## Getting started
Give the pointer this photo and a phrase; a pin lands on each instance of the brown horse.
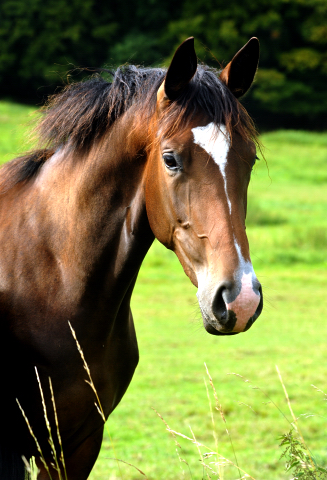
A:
(154, 153)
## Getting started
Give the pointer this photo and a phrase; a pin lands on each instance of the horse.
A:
(152, 153)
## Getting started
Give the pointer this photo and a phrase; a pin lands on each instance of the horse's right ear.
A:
(238, 75)
(180, 72)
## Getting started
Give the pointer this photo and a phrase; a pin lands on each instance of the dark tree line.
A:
(40, 41)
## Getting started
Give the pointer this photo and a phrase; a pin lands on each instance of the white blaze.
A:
(216, 142)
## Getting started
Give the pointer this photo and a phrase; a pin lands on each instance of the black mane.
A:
(83, 112)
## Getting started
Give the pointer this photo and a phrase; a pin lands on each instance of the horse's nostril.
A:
(260, 306)
(219, 307)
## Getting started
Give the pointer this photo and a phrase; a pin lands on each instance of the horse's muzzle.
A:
(234, 307)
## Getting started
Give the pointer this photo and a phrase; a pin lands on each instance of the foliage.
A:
(291, 80)
(299, 460)
(40, 41)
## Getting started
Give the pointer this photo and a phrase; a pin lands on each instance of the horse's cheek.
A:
(157, 212)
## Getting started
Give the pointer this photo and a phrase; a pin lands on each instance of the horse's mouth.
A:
(213, 331)
(208, 324)
(210, 328)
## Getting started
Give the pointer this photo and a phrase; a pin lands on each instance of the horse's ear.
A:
(181, 70)
(238, 75)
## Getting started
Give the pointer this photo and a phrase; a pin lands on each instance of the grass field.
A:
(287, 230)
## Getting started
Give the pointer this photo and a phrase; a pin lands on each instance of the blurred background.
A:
(42, 40)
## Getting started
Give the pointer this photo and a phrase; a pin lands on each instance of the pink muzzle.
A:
(245, 304)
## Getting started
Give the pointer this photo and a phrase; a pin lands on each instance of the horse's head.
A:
(197, 179)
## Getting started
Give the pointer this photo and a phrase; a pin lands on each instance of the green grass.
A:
(287, 220)
(287, 225)
(14, 120)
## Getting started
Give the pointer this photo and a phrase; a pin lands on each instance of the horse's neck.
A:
(99, 202)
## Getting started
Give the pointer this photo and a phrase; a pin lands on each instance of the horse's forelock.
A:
(207, 95)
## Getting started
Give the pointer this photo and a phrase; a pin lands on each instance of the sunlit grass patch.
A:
(260, 216)
(15, 120)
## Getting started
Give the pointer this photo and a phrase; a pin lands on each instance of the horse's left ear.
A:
(180, 72)
(238, 75)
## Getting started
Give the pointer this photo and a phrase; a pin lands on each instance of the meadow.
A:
(287, 231)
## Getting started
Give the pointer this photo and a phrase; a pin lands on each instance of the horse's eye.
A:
(255, 159)
(170, 161)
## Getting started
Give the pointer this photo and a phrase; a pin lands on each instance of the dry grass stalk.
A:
(220, 410)
(296, 425)
(220, 467)
(222, 459)
(98, 405)
(200, 454)
(249, 406)
(131, 465)
(320, 391)
(50, 439)
(62, 459)
(176, 443)
(35, 439)
(218, 405)
(212, 471)
(87, 369)
(254, 387)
